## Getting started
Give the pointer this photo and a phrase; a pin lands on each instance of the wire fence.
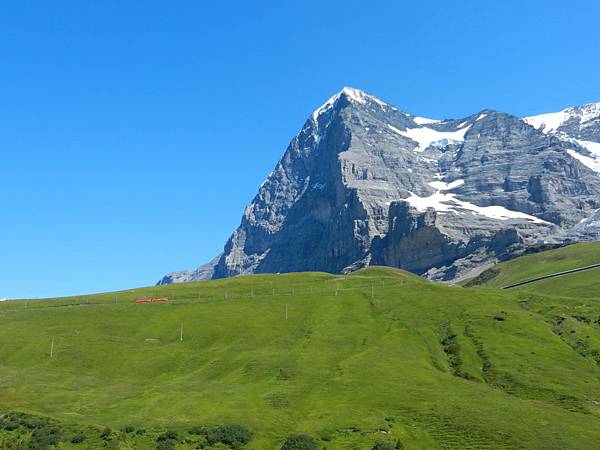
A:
(212, 294)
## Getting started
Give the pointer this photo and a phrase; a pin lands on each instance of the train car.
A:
(151, 300)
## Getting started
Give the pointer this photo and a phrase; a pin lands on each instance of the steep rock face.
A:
(202, 273)
(363, 183)
(418, 242)
(326, 198)
(579, 128)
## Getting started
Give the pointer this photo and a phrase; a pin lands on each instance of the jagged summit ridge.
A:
(578, 125)
(364, 183)
(352, 95)
(584, 116)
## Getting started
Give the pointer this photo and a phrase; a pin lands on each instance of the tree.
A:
(232, 435)
(299, 442)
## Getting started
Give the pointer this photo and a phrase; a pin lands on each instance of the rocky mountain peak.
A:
(364, 183)
(348, 97)
(576, 122)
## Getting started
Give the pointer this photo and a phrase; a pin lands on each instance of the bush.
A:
(198, 430)
(32, 423)
(387, 446)
(168, 444)
(106, 433)
(10, 426)
(44, 438)
(168, 435)
(383, 446)
(232, 435)
(78, 439)
(129, 429)
(299, 442)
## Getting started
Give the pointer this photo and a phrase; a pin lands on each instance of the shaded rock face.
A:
(363, 183)
(420, 242)
(204, 272)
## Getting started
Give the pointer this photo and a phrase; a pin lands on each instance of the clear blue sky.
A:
(132, 134)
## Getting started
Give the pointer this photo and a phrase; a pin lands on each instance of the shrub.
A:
(299, 442)
(78, 439)
(44, 438)
(168, 444)
(232, 435)
(168, 435)
(198, 430)
(106, 433)
(383, 446)
(129, 429)
(10, 426)
(32, 423)
(379, 445)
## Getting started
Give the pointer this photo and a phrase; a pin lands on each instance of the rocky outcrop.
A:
(364, 183)
(202, 273)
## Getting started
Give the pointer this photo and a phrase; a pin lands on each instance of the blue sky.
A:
(132, 134)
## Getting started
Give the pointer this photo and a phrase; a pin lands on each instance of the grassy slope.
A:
(583, 284)
(389, 356)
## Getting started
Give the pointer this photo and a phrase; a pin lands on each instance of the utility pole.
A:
(181, 332)
(52, 348)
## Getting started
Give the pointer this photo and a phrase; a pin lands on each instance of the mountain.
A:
(364, 184)
(204, 272)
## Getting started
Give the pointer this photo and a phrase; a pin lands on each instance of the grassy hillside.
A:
(380, 355)
(583, 284)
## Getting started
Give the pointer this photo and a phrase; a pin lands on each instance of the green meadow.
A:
(376, 357)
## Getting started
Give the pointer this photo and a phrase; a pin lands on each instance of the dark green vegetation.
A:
(19, 431)
(377, 359)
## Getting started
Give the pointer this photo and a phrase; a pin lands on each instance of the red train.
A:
(151, 300)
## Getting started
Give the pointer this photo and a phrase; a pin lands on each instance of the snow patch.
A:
(424, 120)
(589, 112)
(592, 147)
(445, 202)
(481, 116)
(550, 122)
(425, 136)
(441, 186)
(592, 163)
